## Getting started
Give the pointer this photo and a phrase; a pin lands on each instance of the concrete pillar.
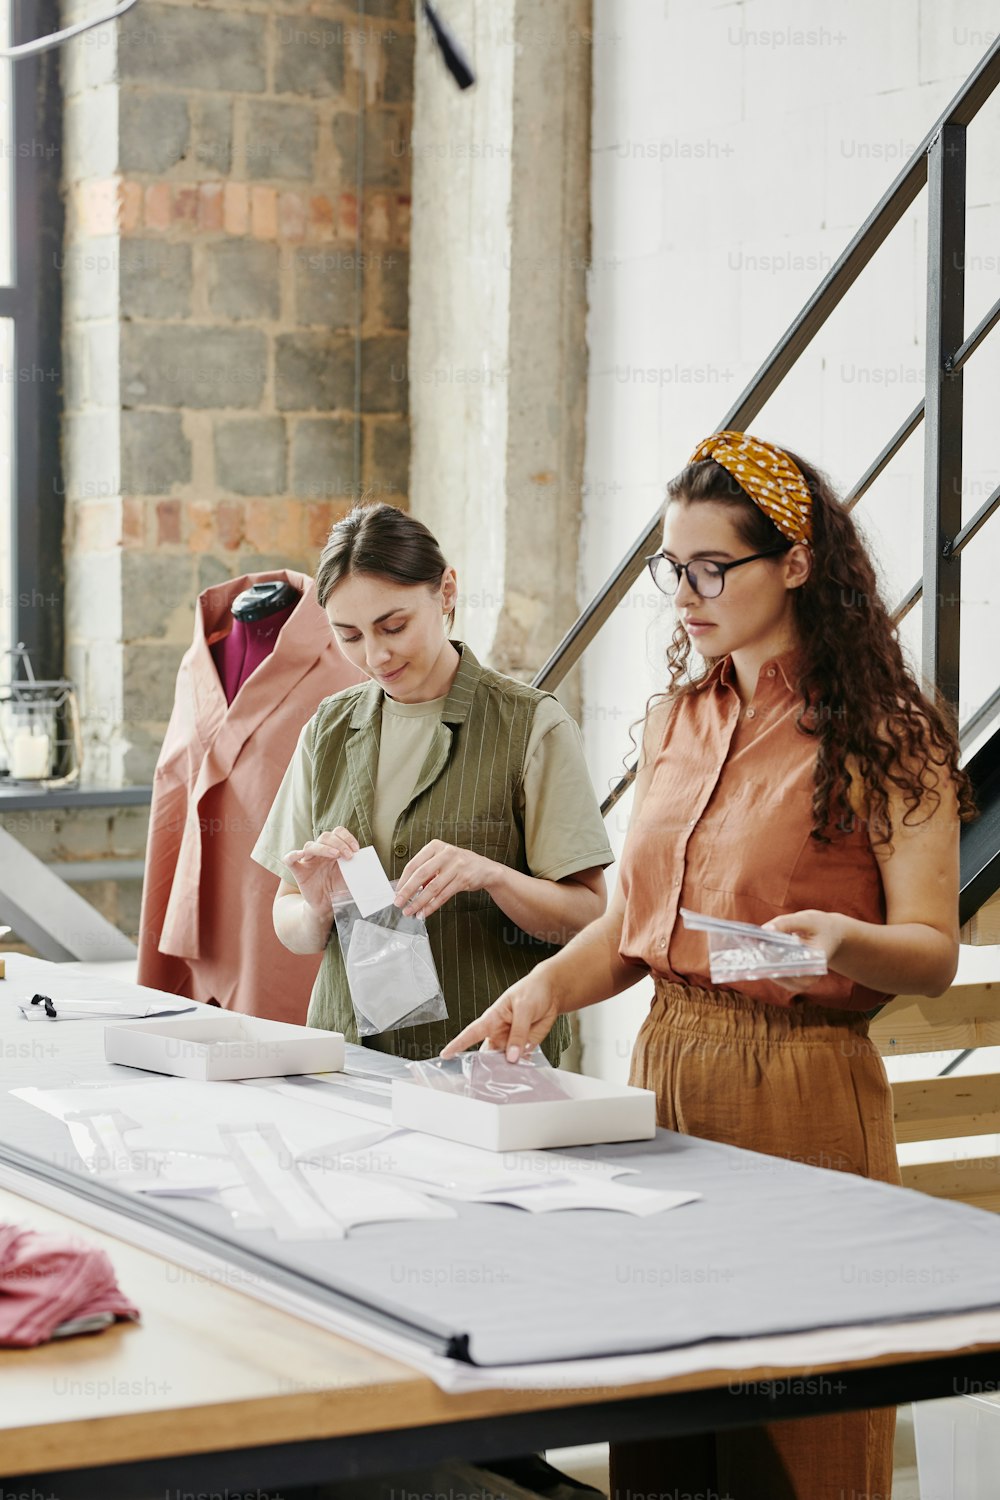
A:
(497, 317)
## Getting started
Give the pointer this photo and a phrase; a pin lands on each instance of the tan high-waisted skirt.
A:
(806, 1084)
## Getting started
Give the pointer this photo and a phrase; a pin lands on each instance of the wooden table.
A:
(215, 1390)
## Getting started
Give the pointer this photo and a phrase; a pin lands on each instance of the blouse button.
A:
(770, 671)
(399, 850)
(751, 713)
(662, 943)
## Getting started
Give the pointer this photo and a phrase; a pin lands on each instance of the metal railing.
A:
(939, 162)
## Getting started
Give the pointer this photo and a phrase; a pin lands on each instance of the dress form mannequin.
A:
(258, 615)
(205, 929)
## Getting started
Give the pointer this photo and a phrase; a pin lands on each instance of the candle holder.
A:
(40, 739)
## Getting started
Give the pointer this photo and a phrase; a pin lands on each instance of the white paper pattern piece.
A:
(557, 1196)
(362, 1200)
(326, 1097)
(554, 1163)
(174, 1136)
(179, 1114)
(457, 1171)
(189, 1174)
(367, 881)
(281, 1193)
(99, 1139)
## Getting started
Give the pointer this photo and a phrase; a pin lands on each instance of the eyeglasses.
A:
(707, 578)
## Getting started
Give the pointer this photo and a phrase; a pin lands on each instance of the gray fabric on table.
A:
(772, 1246)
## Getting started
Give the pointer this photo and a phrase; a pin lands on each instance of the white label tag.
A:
(367, 881)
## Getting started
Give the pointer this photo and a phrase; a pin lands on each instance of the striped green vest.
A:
(467, 793)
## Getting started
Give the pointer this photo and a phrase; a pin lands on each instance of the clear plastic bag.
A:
(739, 950)
(391, 971)
(490, 1077)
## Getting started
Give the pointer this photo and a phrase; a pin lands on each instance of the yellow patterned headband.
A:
(770, 478)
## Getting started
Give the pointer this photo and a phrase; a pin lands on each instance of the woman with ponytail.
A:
(796, 777)
(471, 786)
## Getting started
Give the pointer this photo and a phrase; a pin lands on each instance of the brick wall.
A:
(235, 329)
(234, 343)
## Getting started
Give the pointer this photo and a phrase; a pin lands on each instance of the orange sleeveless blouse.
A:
(725, 829)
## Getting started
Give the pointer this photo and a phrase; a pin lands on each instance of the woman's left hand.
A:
(438, 872)
(822, 930)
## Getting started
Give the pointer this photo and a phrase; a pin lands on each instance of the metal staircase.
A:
(939, 162)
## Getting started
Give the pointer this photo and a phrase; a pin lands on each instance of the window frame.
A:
(33, 302)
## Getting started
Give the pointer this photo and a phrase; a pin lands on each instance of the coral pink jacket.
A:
(205, 927)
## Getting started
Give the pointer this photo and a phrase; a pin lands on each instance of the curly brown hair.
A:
(859, 698)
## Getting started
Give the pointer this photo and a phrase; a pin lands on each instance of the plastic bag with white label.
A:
(390, 968)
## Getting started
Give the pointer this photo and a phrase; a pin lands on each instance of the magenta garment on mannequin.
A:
(206, 929)
(249, 643)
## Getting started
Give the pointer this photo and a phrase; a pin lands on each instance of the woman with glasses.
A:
(795, 777)
(471, 786)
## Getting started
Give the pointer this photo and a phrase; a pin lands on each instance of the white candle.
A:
(29, 756)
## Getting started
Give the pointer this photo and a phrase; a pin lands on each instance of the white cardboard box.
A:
(597, 1114)
(223, 1045)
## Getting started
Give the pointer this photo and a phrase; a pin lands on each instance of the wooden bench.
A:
(962, 1104)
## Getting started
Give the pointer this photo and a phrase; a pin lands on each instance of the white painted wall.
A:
(736, 148)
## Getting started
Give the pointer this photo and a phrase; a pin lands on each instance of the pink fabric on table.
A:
(45, 1280)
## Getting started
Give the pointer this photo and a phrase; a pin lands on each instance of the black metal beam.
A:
(980, 845)
(982, 328)
(618, 791)
(909, 599)
(888, 453)
(578, 637)
(978, 521)
(942, 581)
(738, 1404)
(983, 715)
